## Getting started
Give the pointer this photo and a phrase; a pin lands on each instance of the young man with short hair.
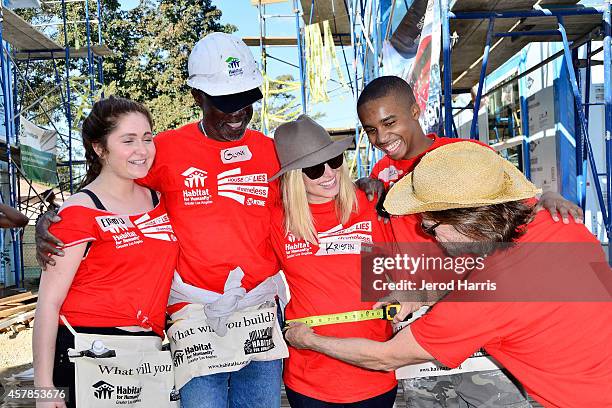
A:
(389, 116)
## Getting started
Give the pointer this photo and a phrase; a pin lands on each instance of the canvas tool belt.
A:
(121, 371)
(253, 334)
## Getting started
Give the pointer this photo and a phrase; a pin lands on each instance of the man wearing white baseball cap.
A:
(226, 339)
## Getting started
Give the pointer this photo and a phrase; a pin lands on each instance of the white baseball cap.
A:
(222, 66)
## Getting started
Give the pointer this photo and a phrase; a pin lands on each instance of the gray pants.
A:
(469, 390)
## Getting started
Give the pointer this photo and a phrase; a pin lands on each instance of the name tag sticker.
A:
(236, 154)
(114, 224)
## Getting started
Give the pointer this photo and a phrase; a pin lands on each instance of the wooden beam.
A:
(16, 298)
(16, 309)
(286, 41)
(258, 2)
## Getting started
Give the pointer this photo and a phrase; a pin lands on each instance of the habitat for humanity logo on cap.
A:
(233, 66)
(221, 64)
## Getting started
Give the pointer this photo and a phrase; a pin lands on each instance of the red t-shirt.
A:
(125, 277)
(219, 199)
(407, 228)
(326, 279)
(560, 352)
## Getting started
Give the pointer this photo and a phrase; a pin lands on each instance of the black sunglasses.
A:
(315, 172)
(431, 230)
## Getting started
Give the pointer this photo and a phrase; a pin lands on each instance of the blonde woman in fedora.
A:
(317, 236)
(547, 316)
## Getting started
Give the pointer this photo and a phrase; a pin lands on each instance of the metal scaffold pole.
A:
(607, 20)
(446, 59)
(8, 129)
(296, 9)
(67, 102)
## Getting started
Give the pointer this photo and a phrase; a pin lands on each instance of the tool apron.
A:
(139, 375)
(253, 334)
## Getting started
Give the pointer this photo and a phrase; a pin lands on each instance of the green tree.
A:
(150, 44)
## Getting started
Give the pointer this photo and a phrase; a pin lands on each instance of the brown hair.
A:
(100, 122)
(495, 223)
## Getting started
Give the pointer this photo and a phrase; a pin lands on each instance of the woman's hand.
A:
(50, 404)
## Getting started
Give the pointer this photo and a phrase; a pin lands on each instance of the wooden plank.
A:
(22, 35)
(16, 309)
(98, 51)
(257, 2)
(333, 10)
(284, 41)
(16, 298)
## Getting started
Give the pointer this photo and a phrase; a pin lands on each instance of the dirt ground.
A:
(15, 353)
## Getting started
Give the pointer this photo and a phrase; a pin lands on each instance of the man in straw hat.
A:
(559, 349)
(214, 174)
(390, 115)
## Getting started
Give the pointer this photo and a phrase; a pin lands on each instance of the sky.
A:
(340, 111)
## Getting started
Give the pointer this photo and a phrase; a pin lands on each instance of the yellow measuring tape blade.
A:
(346, 317)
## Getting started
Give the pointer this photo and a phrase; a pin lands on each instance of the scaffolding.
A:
(22, 44)
(352, 23)
(482, 35)
(526, 21)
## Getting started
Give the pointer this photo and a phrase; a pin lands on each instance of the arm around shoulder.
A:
(11, 218)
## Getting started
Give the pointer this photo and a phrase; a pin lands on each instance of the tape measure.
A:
(388, 312)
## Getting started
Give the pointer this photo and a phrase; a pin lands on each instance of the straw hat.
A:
(458, 175)
(304, 143)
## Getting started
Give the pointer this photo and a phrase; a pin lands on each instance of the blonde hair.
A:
(298, 218)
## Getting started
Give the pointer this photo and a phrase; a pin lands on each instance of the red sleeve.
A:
(77, 226)
(277, 233)
(453, 331)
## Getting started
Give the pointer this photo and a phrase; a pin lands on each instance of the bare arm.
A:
(401, 350)
(11, 218)
(54, 285)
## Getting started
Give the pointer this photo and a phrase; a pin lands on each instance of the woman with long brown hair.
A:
(112, 283)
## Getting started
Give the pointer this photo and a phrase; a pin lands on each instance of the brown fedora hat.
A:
(303, 143)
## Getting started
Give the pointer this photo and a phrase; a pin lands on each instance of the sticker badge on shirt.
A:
(115, 224)
(347, 240)
(390, 174)
(236, 154)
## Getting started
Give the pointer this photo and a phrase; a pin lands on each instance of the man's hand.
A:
(371, 187)
(374, 188)
(557, 205)
(46, 243)
(406, 308)
(299, 335)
